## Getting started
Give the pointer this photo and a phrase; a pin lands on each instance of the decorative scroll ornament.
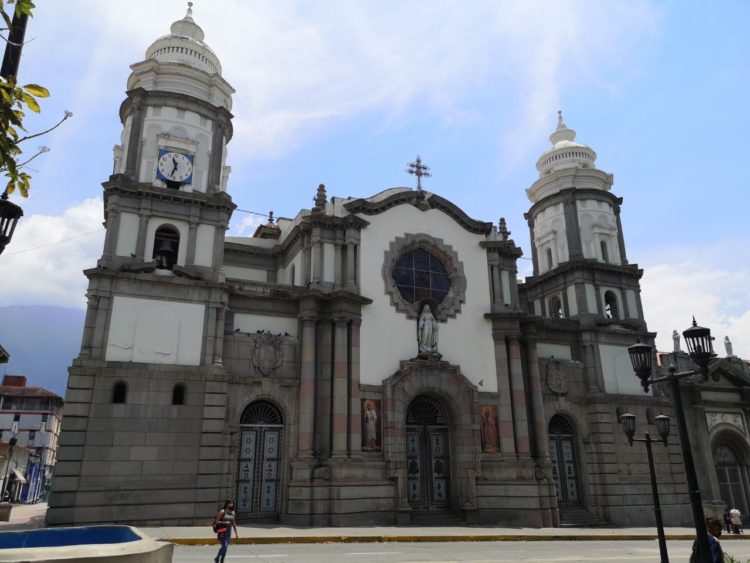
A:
(557, 378)
(267, 354)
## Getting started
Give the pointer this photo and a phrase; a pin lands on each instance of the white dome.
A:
(565, 151)
(185, 45)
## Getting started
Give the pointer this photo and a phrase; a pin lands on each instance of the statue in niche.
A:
(728, 347)
(676, 340)
(427, 332)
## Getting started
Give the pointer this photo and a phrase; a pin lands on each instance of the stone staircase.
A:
(578, 517)
(425, 518)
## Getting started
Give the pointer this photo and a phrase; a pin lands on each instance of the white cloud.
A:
(43, 263)
(298, 69)
(709, 286)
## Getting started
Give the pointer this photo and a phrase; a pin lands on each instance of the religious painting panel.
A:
(489, 431)
(371, 439)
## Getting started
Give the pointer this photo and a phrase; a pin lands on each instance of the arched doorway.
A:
(562, 452)
(259, 471)
(427, 455)
(731, 478)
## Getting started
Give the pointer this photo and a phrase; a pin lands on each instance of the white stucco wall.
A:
(550, 233)
(389, 336)
(572, 303)
(632, 303)
(591, 298)
(618, 371)
(127, 236)
(276, 325)
(155, 331)
(204, 245)
(598, 223)
(559, 351)
(243, 273)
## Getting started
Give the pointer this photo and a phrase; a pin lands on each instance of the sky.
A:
(347, 92)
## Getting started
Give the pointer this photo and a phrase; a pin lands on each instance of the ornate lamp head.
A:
(628, 426)
(641, 357)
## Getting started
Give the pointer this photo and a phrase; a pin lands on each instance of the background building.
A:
(371, 360)
(31, 415)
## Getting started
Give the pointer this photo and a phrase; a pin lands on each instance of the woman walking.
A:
(223, 524)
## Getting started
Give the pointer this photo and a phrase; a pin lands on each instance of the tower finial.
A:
(560, 122)
(189, 10)
(419, 170)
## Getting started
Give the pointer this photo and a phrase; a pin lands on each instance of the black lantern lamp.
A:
(700, 346)
(10, 213)
(641, 357)
(628, 426)
(662, 427)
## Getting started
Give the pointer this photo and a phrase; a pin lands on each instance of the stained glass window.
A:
(419, 275)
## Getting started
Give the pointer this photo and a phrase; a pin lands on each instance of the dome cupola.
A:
(565, 151)
(185, 45)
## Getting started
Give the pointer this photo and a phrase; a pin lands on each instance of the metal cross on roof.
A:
(419, 170)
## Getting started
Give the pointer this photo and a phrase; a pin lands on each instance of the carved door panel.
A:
(564, 470)
(259, 471)
(428, 468)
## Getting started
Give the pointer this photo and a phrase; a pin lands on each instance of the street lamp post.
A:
(700, 348)
(662, 426)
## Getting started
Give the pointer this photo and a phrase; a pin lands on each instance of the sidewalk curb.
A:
(431, 538)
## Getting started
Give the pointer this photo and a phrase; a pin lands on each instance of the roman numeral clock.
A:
(175, 168)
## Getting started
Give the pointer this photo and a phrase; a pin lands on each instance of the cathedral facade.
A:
(372, 361)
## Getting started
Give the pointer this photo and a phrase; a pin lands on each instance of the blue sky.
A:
(347, 92)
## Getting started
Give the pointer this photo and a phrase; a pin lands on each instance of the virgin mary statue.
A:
(427, 332)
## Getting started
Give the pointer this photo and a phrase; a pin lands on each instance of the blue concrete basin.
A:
(58, 537)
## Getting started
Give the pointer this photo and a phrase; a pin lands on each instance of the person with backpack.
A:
(223, 524)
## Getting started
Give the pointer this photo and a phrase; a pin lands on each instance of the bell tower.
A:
(166, 205)
(578, 250)
(150, 370)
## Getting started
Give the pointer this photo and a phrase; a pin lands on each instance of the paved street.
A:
(535, 551)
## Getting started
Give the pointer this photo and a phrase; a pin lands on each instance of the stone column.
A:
(215, 163)
(133, 157)
(219, 336)
(305, 277)
(349, 276)
(355, 405)
(99, 338)
(338, 260)
(541, 452)
(520, 418)
(505, 406)
(340, 387)
(620, 236)
(572, 228)
(317, 257)
(307, 386)
(110, 239)
(89, 324)
(534, 257)
(323, 388)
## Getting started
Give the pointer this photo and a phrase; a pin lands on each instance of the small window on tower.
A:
(120, 392)
(610, 305)
(178, 394)
(605, 254)
(555, 307)
(166, 245)
(549, 259)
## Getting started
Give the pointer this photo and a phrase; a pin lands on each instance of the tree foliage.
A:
(15, 100)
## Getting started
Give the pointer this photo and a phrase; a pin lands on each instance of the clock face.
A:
(175, 167)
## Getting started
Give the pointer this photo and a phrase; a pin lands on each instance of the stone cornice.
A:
(423, 202)
(179, 101)
(574, 194)
(503, 247)
(588, 264)
(119, 184)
